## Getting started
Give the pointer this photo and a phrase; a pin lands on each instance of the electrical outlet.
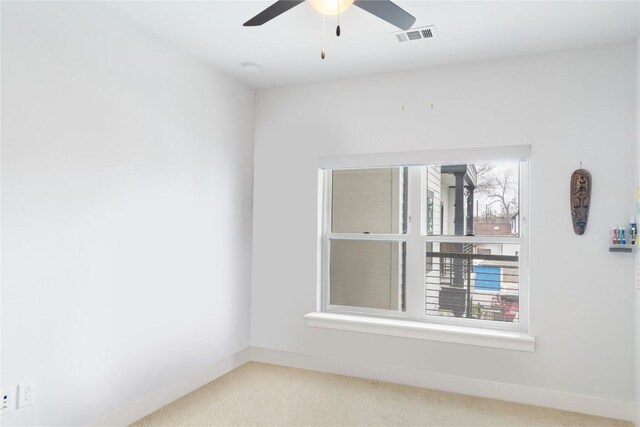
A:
(25, 394)
(8, 401)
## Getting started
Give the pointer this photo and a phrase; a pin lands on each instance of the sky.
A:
(499, 171)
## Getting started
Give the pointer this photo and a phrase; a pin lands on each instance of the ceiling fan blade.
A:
(388, 11)
(278, 8)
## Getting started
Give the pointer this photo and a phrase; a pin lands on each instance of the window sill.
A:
(509, 340)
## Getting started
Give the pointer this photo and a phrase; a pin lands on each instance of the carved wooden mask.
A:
(580, 199)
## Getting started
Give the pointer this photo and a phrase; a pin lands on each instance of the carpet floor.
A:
(258, 394)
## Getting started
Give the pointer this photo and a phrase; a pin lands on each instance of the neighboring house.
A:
(492, 228)
(496, 282)
(367, 201)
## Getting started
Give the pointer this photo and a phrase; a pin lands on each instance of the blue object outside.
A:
(487, 278)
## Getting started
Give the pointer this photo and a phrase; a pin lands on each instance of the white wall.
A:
(126, 212)
(569, 106)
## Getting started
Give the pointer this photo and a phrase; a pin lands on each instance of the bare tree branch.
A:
(498, 188)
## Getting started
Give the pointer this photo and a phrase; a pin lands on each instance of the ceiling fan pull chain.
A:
(322, 52)
(338, 27)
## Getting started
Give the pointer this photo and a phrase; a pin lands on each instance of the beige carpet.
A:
(257, 394)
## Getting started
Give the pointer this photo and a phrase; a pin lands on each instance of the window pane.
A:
(473, 280)
(479, 199)
(369, 274)
(369, 201)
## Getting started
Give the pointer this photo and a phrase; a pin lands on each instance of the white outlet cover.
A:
(25, 394)
(8, 401)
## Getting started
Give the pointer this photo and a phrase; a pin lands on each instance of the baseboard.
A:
(508, 392)
(494, 390)
(162, 397)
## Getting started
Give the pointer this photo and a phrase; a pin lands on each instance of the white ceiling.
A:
(288, 47)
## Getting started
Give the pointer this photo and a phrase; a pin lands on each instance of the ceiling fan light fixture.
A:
(330, 7)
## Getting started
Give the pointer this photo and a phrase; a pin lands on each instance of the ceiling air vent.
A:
(416, 34)
(402, 37)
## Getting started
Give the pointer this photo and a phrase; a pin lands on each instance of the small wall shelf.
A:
(622, 248)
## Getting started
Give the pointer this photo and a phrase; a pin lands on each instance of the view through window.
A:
(469, 239)
(474, 273)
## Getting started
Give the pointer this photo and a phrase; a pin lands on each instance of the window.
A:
(438, 242)
(367, 242)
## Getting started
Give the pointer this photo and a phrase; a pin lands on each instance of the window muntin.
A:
(423, 250)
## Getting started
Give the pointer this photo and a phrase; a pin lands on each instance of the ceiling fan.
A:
(383, 9)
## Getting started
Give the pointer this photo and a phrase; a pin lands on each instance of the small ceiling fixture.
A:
(250, 67)
(383, 9)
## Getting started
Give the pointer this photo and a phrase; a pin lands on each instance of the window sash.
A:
(337, 308)
(374, 237)
(415, 239)
(328, 235)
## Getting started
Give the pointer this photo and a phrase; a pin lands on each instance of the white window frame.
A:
(389, 322)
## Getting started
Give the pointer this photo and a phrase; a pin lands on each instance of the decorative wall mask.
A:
(580, 199)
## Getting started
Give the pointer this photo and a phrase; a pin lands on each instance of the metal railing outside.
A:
(471, 285)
